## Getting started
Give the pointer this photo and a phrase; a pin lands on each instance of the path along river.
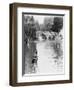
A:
(48, 63)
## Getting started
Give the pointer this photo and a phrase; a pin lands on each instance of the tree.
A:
(29, 27)
(57, 24)
(48, 23)
(37, 26)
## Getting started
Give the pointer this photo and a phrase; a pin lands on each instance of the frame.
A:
(40, 44)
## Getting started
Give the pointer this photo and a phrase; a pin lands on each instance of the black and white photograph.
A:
(42, 44)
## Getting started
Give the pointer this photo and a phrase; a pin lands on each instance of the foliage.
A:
(57, 24)
(29, 27)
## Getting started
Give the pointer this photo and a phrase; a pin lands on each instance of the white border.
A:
(19, 47)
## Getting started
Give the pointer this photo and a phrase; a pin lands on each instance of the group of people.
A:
(46, 35)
